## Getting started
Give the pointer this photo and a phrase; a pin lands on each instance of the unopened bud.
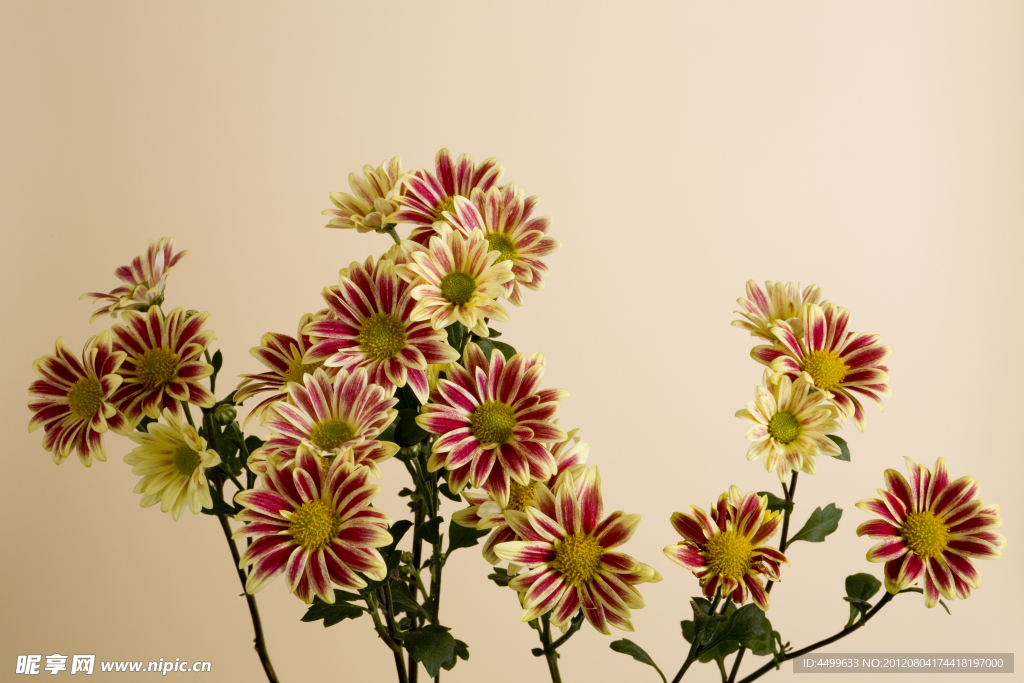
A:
(189, 313)
(224, 414)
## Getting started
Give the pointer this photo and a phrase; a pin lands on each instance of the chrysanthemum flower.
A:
(457, 279)
(73, 400)
(375, 202)
(504, 216)
(726, 549)
(172, 460)
(486, 511)
(776, 301)
(315, 525)
(163, 367)
(493, 421)
(428, 195)
(841, 363)
(569, 551)
(144, 280)
(330, 416)
(790, 421)
(930, 528)
(283, 356)
(372, 328)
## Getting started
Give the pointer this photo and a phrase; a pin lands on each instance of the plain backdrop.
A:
(873, 148)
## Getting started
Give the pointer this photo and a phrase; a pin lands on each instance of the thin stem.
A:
(257, 626)
(394, 235)
(389, 617)
(691, 656)
(573, 628)
(549, 652)
(188, 413)
(821, 643)
(213, 376)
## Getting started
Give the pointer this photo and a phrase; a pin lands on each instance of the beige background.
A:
(874, 148)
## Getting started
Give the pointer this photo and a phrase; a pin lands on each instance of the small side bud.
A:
(224, 414)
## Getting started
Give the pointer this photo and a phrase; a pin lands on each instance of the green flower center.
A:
(381, 336)
(784, 427)
(157, 368)
(330, 434)
(186, 460)
(458, 288)
(826, 368)
(520, 496)
(577, 559)
(315, 524)
(493, 422)
(446, 204)
(925, 534)
(296, 371)
(501, 244)
(85, 398)
(728, 554)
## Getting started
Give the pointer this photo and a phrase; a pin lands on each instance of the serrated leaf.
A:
(332, 614)
(628, 647)
(822, 522)
(500, 576)
(776, 504)
(463, 537)
(403, 602)
(844, 454)
(859, 589)
(408, 433)
(461, 652)
(432, 646)
(429, 530)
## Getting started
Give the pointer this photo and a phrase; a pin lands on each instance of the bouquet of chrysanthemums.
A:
(403, 362)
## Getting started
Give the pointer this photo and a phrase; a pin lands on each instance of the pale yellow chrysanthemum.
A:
(790, 422)
(172, 459)
(775, 301)
(375, 199)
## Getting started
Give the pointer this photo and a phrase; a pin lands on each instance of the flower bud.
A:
(224, 414)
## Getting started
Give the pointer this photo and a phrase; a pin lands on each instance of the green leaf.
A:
(841, 442)
(764, 644)
(500, 576)
(747, 623)
(403, 602)
(461, 651)
(492, 333)
(822, 523)
(433, 647)
(776, 504)
(144, 423)
(705, 624)
(463, 537)
(408, 433)
(488, 346)
(628, 647)
(397, 531)
(447, 493)
(332, 614)
(218, 360)
(428, 531)
(220, 507)
(253, 442)
(859, 589)
(389, 432)
(921, 590)
(456, 334)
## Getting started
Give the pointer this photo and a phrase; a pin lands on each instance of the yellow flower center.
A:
(925, 534)
(826, 368)
(315, 524)
(157, 368)
(296, 371)
(493, 422)
(186, 460)
(784, 427)
(458, 288)
(446, 204)
(330, 434)
(520, 496)
(501, 244)
(381, 336)
(577, 559)
(728, 554)
(85, 398)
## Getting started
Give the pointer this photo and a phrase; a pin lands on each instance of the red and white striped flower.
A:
(330, 416)
(569, 550)
(486, 511)
(790, 423)
(162, 367)
(428, 195)
(374, 202)
(493, 421)
(775, 301)
(841, 363)
(457, 279)
(371, 327)
(73, 399)
(726, 550)
(144, 280)
(505, 216)
(283, 357)
(930, 528)
(314, 525)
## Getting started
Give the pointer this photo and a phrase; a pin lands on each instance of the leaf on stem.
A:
(447, 493)
(844, 455)
(501, 577)
(435, 648)
(487, 346)
(403, 602)
(628, 647)
(332, 614)
(823, 521)
(463, 537)
(859, 589)
(408, 433)
(218, 360)
(776, 504)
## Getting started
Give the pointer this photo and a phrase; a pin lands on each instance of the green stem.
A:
(213, 377)
(694, 652)
(821, 643)
(389, 616)
(577, 622)
(549, 652)
(394, 235)
(188, 413)
(260, 642)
